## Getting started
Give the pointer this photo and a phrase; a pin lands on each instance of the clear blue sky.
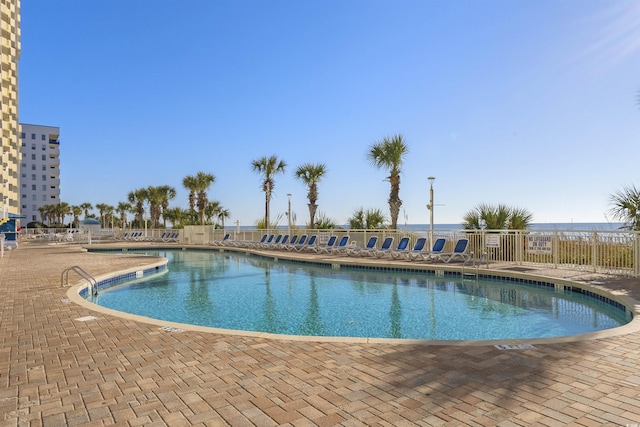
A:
(530, 103)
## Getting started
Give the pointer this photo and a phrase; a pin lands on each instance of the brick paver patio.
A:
(56, 370)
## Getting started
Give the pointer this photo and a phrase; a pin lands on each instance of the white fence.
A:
(611, 252)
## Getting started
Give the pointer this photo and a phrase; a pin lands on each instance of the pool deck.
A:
(65, 364)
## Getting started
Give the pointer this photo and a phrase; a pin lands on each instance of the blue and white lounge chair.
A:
(358, 250)
(327, 247)
(341, 246)
(295, 245)
(309, 245)
(418, 247)
(402, 249)
(438, 247)
(459, 252)
(222, 242)
(386, 247)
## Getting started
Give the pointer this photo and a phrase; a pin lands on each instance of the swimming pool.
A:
(252, 293)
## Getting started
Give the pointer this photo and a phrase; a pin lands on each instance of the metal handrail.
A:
(64, 278)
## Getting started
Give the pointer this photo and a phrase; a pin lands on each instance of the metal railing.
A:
(93, 284)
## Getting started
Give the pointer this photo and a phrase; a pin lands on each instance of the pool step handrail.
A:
(64, 278)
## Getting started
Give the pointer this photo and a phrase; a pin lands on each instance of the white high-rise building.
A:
(39, 170)
(9, 141)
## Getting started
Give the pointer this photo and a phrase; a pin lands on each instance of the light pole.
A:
(289, 214)
(430, 207)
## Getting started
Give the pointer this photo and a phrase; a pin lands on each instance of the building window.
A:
(33, 197)
(23, 135)
(33, 167)
(33, 187)
(33, 136)
(33, 146)
(24, 175)
(44, 167)
(33, 157)
(44, 138)
(24, 196)
(44, 147)
(33, 177)
(44, 157)
(44, 177)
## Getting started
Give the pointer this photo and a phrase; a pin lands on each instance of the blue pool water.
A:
(233, 291)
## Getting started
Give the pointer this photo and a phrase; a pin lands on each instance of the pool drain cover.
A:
(514, 346)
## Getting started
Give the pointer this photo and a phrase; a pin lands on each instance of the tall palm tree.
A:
(204, 181)
(189, 182)
(168, 193)
(102, 208)
(389, 154)
(311, 174)
(198, 186)
(122, 209)
(137, 199)
(268, 167)
(155, 197)
(625, 207)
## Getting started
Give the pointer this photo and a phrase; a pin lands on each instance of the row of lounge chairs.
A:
(139, 236)
(341, 246)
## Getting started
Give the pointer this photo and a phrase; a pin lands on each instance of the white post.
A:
(430, 207)
(289, 215)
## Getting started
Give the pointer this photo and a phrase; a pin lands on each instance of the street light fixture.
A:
(430, 207)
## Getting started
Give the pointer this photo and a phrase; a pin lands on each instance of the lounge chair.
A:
(358, 250)
(295, 245)
(423, 255)
(459, 252)
(418, 247)
(254, 245)
(271, 242)
(281, 243)
(386, 247)
(216, 242)
(309, 245)
(341, 246)
(401, 250)
(327, 247)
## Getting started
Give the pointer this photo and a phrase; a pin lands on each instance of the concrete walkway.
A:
(62, 364)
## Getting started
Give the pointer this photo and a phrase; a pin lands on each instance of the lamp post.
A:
(289, 214)
(430, 207)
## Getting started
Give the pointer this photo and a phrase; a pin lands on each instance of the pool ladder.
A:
(477, 266)
(93, 284)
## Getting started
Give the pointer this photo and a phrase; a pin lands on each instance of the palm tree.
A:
(311, 174)
(367, 219)
(388, 154)
(168, 193)
(76, 210)
(189, 182)
(198, 186)
(137, 199)
(625, 207)
(176, 216)
(268, 167)
(155, 198)
(102, 208)
(500, 217)
(204, 181)
(86, 207)
(122, 209)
